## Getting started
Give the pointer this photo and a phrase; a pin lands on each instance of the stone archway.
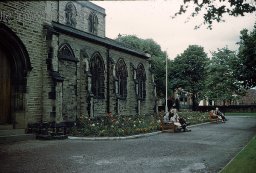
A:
(5, 89)
(14, 66)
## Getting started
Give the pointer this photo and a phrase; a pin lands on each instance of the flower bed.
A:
(127, 125)
(116, 126)
(195, 117)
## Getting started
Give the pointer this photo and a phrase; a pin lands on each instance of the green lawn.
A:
(245, 161)
(240, 114)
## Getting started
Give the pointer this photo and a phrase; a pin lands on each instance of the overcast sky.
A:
(152, 19)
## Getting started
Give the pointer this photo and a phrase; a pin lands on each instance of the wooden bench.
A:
(213, 118)
(166, 127)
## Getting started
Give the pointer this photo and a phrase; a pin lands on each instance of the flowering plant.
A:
(116, 126)
(121, 125)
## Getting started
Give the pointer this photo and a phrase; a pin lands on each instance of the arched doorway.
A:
(5, 89)
(14, 67)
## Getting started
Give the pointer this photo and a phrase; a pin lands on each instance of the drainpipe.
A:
(108, 82)
(58, 10)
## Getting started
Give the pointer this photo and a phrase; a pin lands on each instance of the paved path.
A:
(208, 148)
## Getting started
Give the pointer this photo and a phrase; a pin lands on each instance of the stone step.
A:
(14, 135)
(6, 127)
(16, 138)
(12, 132)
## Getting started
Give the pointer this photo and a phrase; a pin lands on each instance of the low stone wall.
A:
(230, 108)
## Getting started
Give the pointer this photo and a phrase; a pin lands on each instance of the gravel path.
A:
(208, 148)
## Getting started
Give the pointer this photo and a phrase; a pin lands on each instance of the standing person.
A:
(219, 113)
(179, 121)
(177, 104)
(170, 103)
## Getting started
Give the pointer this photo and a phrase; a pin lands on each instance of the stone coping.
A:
(124, 137)
(114, 138)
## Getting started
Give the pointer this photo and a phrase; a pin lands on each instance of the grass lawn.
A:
(240, 114)
(245, 161)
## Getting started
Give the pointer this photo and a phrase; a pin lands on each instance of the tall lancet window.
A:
(121, 74)
(70, 14)
(93, 23)
(98, 79)
(141, 79)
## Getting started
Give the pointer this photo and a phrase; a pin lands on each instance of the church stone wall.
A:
(129, 106)
(71, 100)
(83, 11)
(25, 20)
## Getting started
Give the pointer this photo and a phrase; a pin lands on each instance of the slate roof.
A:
(107, 42)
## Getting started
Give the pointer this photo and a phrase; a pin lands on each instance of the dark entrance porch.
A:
(14, 67)
(5, 89)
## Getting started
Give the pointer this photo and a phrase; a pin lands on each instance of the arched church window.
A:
(66, 52)
(70, 13)
(98, 79)
(121, 74)
(93, 23)
(141, 79)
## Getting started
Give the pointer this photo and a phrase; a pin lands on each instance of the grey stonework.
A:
(60, 89)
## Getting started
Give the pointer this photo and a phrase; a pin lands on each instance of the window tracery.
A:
(93, 23)
(141, 79)
(66, 52)
(70, 14)
(98, 78)
(121, 74)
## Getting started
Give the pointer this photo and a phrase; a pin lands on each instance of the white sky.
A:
(152, 19)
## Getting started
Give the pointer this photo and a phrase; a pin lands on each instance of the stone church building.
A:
(56, 64)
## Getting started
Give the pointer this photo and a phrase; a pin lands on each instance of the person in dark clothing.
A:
(177, 104)
(179, 121)
(170, 103)
(219, 113)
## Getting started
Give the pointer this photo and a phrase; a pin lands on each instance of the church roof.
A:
(110, 43)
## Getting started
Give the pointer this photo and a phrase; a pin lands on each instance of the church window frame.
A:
(121, 75)
(97, 69)
(66, 53)
(70, 14)
(93, 23)
(141, 81)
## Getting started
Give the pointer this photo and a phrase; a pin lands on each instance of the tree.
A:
(246, 62)
(157, 60)
(188, 72)
(213, 10)
(221, 83)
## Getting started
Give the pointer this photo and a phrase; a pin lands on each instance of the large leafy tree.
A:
(157, 60)
(221, 84)
(188, 72)
(213, 10)
(246, 63)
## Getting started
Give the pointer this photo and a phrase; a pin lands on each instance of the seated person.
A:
(214, 115)
(220, 114)
(179, 121)
(166, 118)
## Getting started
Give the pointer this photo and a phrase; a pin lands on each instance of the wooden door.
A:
(5, 89)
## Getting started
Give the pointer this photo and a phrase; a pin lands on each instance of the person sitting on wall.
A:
(221, 114)
(179, 121)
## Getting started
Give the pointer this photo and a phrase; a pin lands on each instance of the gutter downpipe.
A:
(108, 82)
